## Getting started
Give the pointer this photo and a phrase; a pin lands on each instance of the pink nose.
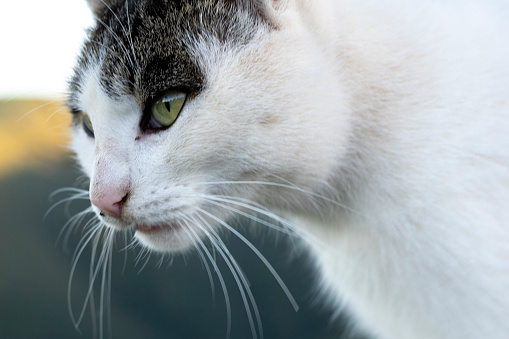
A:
(110, 203)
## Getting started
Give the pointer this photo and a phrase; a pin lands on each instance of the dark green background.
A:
(170, 301)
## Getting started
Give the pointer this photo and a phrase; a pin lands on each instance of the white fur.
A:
(397, 110)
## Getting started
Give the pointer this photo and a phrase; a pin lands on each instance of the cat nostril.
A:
(110, 205)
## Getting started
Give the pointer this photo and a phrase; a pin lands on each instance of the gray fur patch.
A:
(141, 47)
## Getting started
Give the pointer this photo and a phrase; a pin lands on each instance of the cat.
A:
(377, 131)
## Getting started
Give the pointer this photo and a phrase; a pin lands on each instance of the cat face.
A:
(181, 124)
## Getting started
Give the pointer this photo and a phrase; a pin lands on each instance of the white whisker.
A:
(95, 270)
(76, 257)
(130, 36)
(91, 302)
(54, 113)
(118, 40)
(115, 54)
(287, 186)
(106, 285)
(72, 224)
(125, 252)
(260, 256)
(126, 33)
(204, 262)
(79, 194)
(287, 228)
(147, 256)
(212, 260)
(239, 277)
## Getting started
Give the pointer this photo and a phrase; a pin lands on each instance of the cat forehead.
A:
(144, 47)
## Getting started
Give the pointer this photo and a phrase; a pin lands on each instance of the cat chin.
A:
(164, 238)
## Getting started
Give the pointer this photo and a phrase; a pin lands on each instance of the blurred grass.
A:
(33, 133)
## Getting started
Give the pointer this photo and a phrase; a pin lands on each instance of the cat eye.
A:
(165, 109)
(87, 125)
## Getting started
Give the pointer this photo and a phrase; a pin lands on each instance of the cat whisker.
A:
(68, 189)
(125, 252)
(83, 181)
(131, 244)
(54, 113)
(192, 234)
(287, 186)
(78, 195)
(106, 285)
(281, 224)
(144, 253)
(203, 260)
(238, 275)
(259, 255)
(160, 261)
(286, 228)
(103, 262)
(91, 301)
(72, 224)
(92, 226)
(102, 266)
(79, 251)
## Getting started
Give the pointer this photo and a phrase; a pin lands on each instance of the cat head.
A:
(187, 113)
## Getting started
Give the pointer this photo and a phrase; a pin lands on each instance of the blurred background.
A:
(39, 41)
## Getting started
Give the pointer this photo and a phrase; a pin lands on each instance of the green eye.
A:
(166, 109)
(87, 125)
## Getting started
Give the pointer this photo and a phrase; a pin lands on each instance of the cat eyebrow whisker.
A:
(55, 112)
(116, 55)
(37, 108)
(117, 38)
(130, 35)
(126, 33)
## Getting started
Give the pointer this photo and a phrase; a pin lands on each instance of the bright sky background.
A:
(39, 42)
